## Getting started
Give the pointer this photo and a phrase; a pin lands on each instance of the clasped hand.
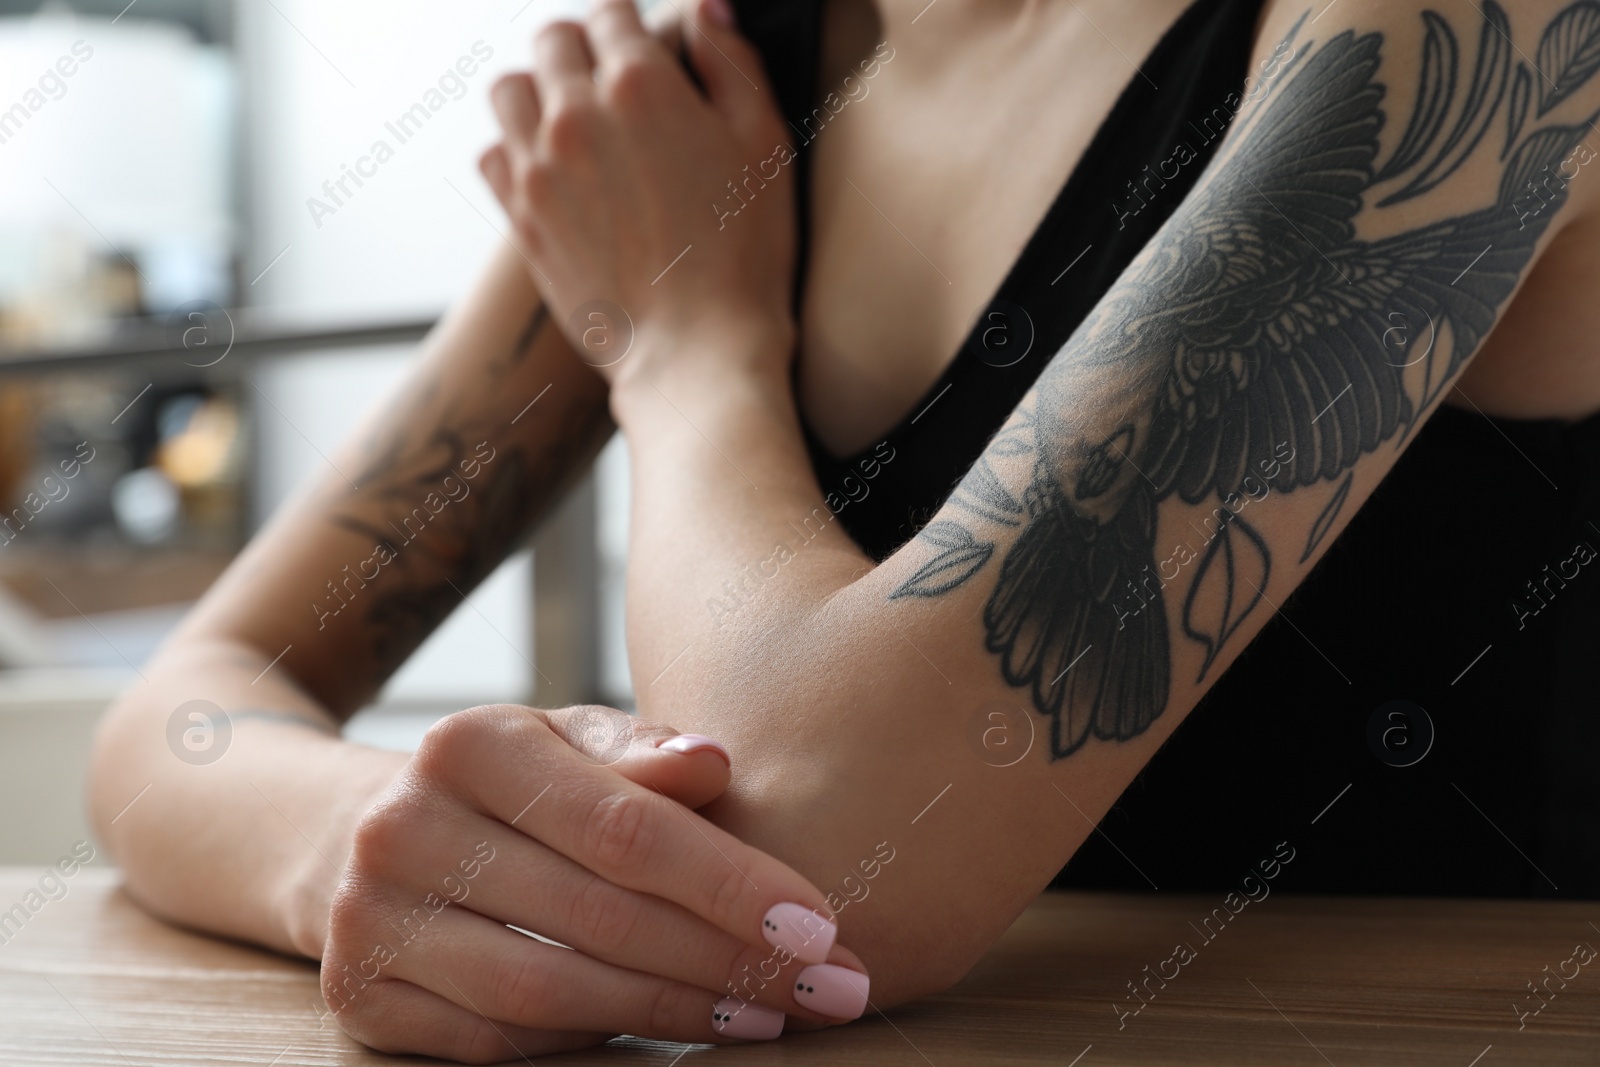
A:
(658, 220)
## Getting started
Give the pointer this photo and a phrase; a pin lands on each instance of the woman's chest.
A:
(931, 167)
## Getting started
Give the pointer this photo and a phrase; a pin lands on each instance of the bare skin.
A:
(292, 822)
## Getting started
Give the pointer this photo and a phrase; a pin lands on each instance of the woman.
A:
(1284, 239)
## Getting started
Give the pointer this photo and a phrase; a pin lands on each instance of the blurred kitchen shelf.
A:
(147, 343)
(62, 581)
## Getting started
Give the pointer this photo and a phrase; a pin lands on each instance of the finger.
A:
(615, 32)
(562, 65)
(516, 105)
(478, 964)
(399, 1017)
(496, 170)
(644, 933)
(730, 69)
(690, 768)
(664, 22)
(505, 759)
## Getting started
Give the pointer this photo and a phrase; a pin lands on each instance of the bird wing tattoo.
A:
(1256, 345)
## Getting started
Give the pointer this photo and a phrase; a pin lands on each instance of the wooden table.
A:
(90, 980)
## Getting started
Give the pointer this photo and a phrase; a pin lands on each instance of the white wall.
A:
(46, 720)
(321, 82)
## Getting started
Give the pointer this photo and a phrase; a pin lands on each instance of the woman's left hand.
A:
(659, 221)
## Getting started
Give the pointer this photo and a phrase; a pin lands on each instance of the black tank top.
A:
(1453, 620)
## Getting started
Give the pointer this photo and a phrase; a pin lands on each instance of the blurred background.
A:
(192, 315)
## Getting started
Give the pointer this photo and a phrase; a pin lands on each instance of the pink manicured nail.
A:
(687, 743)
(835, 991)
(718, 11)
(740, 1018)
(800, 931)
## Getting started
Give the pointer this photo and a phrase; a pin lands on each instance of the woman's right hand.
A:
(577, 825)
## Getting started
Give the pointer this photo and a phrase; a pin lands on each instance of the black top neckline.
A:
(1039, 246)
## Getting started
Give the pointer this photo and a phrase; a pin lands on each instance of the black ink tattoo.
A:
(960, 557)
(1325, 520)
(1248, 341)
(1569, 53)
(493, 501)
(530, 333)
(1517, 109)
(451, 554)
(1438, 88)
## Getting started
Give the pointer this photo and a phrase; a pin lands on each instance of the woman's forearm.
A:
(227, 797)
(725, 506)
(496, 420)
(746, 622)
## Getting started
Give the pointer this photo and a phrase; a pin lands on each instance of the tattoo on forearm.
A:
(530, 333)
(1255, 339)
(445, 499)
(443, 519)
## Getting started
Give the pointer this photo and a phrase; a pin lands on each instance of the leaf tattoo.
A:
(1569, 53)
(960, 557)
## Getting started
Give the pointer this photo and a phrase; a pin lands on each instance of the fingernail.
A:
(800, 931)
(718, 11)
(687, 743)
(835, 991)
(740, 1018)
